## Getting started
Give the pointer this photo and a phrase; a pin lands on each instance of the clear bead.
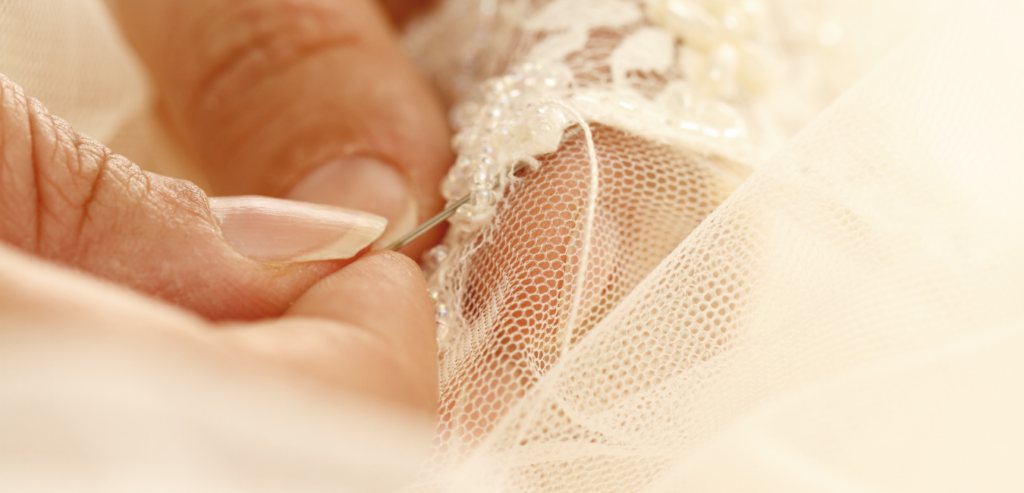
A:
(483, 198)
(470, 218)
(441, 312)
(552, 116)
(453, 189)
(484, 179)
(435, 257)
(442, 332)
(434, 294)
(465, 218)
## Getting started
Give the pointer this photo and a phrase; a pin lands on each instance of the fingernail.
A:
(364, 184)
(279, 230)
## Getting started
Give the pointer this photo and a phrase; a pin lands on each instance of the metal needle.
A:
(438, 219)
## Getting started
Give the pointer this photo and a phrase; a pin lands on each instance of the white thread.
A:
(588, 226)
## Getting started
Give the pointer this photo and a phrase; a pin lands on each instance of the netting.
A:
(592, 338)
(680, 292)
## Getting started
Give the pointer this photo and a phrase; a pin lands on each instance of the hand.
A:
(311, 100)
(305, 99)
(367, 328)
(68, 199)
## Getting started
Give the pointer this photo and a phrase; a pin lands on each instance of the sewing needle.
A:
(439, 218)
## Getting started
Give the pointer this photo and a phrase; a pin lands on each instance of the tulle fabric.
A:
(846, 318)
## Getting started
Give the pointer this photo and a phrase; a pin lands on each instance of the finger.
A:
(309, 99)
(390, 358)
(368, 328)
(66, 198)
(402, 11)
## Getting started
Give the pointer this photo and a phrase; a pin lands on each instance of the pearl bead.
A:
(692, 23)
(722, 69)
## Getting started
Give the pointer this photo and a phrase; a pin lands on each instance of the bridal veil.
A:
(754, 245)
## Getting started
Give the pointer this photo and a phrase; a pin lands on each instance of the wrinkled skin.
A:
(260, 92)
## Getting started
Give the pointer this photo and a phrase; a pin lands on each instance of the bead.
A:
(435, 257)
(692, 23)
(484, 179)
(722, 69)
(464, 218)
(552, 117)
(441, 312)
(471, 218)
(725, 32)
(504, 116)
(483, 198)
(442, 332)
(453, 189)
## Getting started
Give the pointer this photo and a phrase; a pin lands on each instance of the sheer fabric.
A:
(726, 268)
(598, 341)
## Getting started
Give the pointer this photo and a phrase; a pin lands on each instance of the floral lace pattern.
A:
(524, 72)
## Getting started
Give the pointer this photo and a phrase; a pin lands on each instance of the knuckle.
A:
(65, 196)
(82, 190)
(255, 41)
(17, 180)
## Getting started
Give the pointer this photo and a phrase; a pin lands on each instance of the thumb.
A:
(66, 198)
(369, 328)
(309, 99)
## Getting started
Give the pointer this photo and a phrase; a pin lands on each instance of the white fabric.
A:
(889, 227)
(87, 412)
(849, 319)
(70, 56)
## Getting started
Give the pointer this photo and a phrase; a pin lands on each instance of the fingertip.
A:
(365, 184)
(386, 294)
(265, 228)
